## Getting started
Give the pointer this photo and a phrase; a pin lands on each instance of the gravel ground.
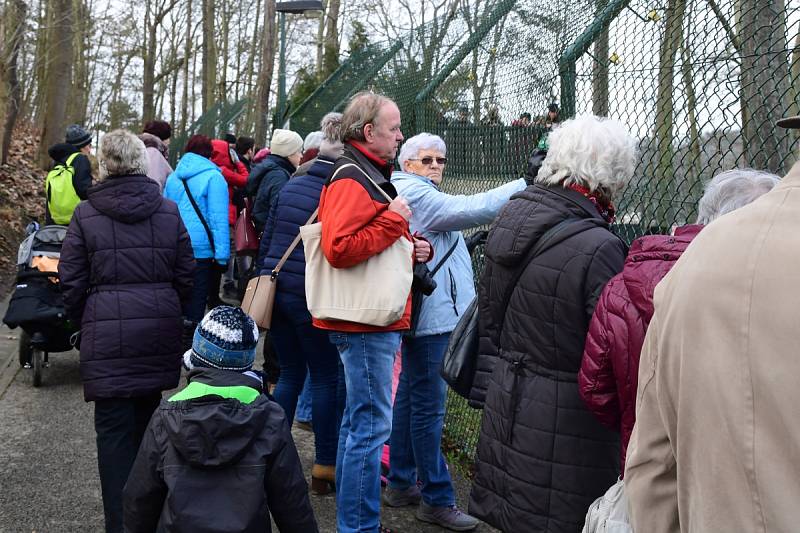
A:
(48, 461)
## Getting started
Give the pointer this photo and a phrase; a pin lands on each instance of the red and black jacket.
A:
(357, 223)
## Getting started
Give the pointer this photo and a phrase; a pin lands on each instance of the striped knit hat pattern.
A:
(225, 339)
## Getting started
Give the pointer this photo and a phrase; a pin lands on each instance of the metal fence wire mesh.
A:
(699, 83)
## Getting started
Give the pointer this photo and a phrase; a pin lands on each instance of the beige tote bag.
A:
(374, 292)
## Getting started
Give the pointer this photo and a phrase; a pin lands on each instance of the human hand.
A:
(400, 206)
(422, 250)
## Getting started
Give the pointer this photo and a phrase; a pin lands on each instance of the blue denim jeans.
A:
(416, 442)
(305, 350)
(303, 411)
(367, 422)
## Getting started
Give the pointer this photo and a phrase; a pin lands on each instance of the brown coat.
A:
(716, 446)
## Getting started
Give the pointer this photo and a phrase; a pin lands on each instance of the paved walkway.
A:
(48, 461)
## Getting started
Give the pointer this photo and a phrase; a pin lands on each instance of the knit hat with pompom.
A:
(225, 339)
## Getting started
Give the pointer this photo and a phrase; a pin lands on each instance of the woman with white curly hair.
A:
(126, 268)
(542, 456)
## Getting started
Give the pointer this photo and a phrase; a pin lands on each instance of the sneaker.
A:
(401, 498)
(451, 518)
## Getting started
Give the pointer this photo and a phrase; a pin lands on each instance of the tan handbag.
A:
(374, 292)
(259, 296)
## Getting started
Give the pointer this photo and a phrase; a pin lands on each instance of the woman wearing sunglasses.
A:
(420, 401)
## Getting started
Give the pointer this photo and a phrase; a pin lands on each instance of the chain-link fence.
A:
(700, 84)
(213, 123)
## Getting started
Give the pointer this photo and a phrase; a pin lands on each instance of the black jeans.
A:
(195, 310)
(120, 424)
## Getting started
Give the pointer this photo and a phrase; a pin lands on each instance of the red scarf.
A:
(603, 205)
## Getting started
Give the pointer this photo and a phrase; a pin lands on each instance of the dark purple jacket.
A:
(610, 368)
(126, 266)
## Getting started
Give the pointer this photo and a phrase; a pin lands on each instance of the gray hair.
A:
(121, 153)
(331, 126)
(422, 141)
(598, 153)
(313, 140)
(363, 109)
(731, 190)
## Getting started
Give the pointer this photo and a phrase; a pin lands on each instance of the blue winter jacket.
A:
(265, 183)
(440, 217)
(210, 191)
(297, 201)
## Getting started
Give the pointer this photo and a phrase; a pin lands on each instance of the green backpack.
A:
(61, 196)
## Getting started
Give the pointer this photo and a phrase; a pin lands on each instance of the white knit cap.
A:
(285, 143)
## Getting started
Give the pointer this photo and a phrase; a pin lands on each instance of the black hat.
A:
(77, 136)
(790, 123)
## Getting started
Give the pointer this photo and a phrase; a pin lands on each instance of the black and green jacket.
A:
(218, 456)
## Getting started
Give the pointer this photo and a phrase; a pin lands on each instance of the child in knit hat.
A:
(218, 455)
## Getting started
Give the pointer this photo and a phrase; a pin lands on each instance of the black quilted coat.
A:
(542, 456)
(126, 266)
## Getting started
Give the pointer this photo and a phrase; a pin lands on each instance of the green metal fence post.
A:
(500, 10)
(566, 63)
(322, 86)
(371, 73)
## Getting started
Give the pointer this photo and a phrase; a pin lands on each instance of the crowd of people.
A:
(664, 368)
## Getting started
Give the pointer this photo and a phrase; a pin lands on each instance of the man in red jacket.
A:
(358, 223)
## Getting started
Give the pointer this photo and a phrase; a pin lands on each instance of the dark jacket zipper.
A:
(453, 290)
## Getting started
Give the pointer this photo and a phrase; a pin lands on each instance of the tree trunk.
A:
(330, 59)
(222, 90)
(764, 83)
(600, 70)
(694, 173)
(209, 56)
(320, 42)
(59, 74)
(149, 69)
(664, 120)
(79, 89)
(265, 73)
(187, 50)
(14, 22)
(42, 49)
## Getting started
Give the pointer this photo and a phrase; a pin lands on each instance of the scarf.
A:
(603, 205)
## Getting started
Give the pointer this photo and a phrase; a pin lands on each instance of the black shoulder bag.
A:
(461, 357)
(424, 285)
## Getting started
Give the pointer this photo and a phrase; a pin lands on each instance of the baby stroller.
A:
(37, 305)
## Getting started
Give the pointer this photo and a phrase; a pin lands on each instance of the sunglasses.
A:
(427, 161)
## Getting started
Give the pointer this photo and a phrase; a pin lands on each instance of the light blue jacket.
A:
(210, 191)
(440, 217)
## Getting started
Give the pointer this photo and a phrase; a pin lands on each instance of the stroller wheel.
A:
(25, 350)
(38, 363)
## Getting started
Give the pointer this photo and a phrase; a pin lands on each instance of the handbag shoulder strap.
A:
(200, 216)
(445, 258)
(558, 233)
(292, 246)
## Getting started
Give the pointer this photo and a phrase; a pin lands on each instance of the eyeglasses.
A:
(427, 161)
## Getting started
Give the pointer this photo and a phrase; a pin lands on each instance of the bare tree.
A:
(600, 70)
(155, 12)
(330, 58)
(209, 56)
(59, 74)
(764, 82)
(265, 73)
(12, 27)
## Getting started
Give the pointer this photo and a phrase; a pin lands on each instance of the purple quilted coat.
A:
(126, 267)
(610, 367)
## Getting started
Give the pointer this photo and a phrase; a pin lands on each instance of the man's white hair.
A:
(731, 190)
(422, 141)
(313, 140)
(597, 153)
(121, 153)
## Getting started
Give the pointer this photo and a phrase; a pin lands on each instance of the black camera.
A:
(423, 280)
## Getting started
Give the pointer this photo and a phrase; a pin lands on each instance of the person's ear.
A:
(369, 130)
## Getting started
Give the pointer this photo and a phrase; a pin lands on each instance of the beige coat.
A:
(716, 446)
